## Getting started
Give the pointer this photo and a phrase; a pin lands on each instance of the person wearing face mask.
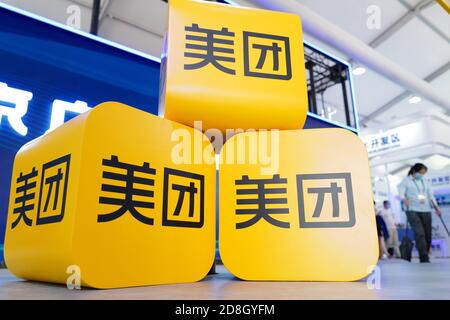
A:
(417, 196)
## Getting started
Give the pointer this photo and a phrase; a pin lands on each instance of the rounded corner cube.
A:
(220, 60)
(105, 194)
(302, 211)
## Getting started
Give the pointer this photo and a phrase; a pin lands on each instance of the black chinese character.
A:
(261, 212)
(384, 140)
(374, 143)
(192, 190)
(22, 199)
(54, 181)
(395, 138)
(129, 190)
(274, 48)
(318, 218)
(211, 54)
(186, 187)
(278, 45)
(334, 191)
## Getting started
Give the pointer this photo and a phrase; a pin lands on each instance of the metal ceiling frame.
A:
(391, 103)
(417, 12)
(413, 12)
(326, 31)
(95, 13)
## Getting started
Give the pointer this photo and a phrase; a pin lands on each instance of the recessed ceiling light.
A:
(415, 99)
(359, 71)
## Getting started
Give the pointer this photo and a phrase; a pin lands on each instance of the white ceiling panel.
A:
(56, 10)
(132, 37)
(86, 3)
(404, 108)
(439, 17)
(442, 83)
(372, 91)
(413, 3)
(150, 15)
(352, 16)
(416, 48)
(325, 47)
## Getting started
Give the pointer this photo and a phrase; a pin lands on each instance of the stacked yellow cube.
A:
(117, 197)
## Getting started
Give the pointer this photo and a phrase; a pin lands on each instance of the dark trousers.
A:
(421, 224)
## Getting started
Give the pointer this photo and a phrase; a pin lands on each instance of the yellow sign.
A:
(233, 67)
(311, 218)
(104, 200)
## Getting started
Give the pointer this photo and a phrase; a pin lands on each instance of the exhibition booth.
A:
(395, 147)
(192, 149)
(73, 71)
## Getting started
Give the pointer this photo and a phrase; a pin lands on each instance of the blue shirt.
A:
(418, 192)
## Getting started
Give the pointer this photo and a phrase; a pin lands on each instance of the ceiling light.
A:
(415, 99)
(359, 71)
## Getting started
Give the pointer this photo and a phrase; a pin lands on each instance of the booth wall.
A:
(53, 63)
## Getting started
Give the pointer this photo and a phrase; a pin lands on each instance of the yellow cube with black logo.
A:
(113, 198)
(297, 205)
(233, 67)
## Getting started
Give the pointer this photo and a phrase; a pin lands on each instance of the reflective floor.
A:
(398, 280)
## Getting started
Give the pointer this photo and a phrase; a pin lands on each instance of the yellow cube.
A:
(107, 200)
(233, 67)
(297, 205)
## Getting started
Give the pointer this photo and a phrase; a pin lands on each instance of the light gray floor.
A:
(399, 280)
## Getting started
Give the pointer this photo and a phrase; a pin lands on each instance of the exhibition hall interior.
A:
(338, 110)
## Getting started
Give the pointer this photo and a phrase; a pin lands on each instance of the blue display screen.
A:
(44, 68)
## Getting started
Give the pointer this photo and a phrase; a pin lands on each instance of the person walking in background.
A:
(383, 233)
(415, 192)
(392, 241)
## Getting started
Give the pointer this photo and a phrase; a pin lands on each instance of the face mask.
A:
(418, 176)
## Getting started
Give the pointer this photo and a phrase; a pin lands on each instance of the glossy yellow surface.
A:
(298, 245)
(124, 251)
(267, 91)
